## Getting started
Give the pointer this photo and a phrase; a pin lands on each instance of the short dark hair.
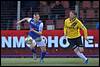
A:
(36, 13)
(73, 12)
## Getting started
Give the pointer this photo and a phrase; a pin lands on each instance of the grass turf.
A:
(48, 62)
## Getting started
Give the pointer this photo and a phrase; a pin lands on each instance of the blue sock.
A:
(42, 55)
(33, 50)
(34, 53)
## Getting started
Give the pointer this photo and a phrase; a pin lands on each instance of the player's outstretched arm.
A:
(22, 20)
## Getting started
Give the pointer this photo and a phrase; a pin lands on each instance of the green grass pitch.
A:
(48, 62)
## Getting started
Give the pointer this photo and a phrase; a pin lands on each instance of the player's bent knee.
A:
(33, 45)
(75, 50)
(43, 49)
(81, 49)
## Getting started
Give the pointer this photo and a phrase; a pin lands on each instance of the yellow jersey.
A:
(72, 28)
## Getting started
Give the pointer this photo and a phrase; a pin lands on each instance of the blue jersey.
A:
(37, 26)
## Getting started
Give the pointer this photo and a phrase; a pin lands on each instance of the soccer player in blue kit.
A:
(34, 36)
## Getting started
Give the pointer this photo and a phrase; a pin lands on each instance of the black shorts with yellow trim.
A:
(75, 42)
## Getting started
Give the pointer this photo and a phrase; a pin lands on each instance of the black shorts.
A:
(75, 42)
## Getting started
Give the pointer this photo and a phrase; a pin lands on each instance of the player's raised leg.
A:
(31, 45)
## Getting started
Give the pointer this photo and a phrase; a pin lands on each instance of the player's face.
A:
(71, 15)
(36, 17)
(57, 2)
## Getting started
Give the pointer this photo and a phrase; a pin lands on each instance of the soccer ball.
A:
(28, 40)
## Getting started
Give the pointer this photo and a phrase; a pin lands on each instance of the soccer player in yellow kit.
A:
(72, 27)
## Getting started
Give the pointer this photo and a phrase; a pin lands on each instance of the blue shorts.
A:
(33, 35)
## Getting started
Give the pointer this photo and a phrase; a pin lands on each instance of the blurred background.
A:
(53, 13)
